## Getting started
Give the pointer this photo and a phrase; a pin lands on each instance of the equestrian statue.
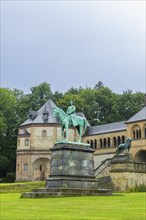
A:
(68, 119)
(125, 146)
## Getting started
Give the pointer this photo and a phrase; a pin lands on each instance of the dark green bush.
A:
(10, 178)
(140, 188)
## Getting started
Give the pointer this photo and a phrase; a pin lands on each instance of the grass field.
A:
(125, 206)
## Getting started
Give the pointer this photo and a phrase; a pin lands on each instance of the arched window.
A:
(88, 142)
(91, 143)
(40, 167)
(119, 140)
(101, 145)
(115, 141)
(25, 167)
(136, 132)
(26, 142)
(95, 143)
(108, 142)
(123, 139)
(18, 167)
(44, 133)
(104, 142)
(145, 133)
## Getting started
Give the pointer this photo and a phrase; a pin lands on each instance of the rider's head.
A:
(71, 102)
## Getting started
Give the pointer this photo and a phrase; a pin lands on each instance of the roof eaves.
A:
(103, 132)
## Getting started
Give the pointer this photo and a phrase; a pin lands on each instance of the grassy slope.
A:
(128, 206)
(20, 187)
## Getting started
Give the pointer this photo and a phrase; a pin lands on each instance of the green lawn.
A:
(126, 206)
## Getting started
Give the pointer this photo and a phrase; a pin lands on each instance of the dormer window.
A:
(32, 115)
(45, 115)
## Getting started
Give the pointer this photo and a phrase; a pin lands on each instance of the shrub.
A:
(10, 178)
(140, 188)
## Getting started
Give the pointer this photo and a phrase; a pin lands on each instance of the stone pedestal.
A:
(72, 173)
(72, 166)
(122, 163)
(127, 174)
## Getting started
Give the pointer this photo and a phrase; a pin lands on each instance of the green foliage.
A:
(40, 94)
(140, 188)
(99, 85)
(56, 96)
(129, 104)
(127, 206)
(10, 178)
(8, 131)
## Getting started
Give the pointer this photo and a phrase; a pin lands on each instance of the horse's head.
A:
(55, 111)
(58, 113)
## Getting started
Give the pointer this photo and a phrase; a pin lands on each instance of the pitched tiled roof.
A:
(106, 128)
(139, 116)
(47, 107)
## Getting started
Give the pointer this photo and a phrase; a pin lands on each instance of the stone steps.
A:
(63, 192)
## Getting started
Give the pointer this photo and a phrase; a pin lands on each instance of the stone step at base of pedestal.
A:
(64, 192)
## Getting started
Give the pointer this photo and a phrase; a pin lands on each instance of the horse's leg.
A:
(62, 133)
(80, 133)
(66, 127)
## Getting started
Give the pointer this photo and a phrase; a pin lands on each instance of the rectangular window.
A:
(25, 167)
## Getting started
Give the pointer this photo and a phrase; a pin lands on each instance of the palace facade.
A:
(37, 135)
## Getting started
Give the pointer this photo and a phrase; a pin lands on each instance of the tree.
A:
(40, 94)
(107, 109)
(99, 85)
(8, 131)
(129, 104)
(22, 105)
(56, 96)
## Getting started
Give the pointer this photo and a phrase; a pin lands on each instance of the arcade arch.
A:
(140, 156)
(41, 168)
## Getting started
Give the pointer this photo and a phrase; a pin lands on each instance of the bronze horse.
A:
(66, 121)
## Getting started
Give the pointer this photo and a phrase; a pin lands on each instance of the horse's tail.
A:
(85, 124)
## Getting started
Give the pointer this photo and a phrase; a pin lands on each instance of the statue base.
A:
(71, 174)
(122, 162)
(122, 157)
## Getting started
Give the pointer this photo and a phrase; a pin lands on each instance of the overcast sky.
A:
(72, 44)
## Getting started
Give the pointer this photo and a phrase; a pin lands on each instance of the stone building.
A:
(35, 138)
(104, 139)
(39, 132)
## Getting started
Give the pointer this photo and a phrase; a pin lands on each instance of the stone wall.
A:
(32, 165)
(127, 174)
(124, 181)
